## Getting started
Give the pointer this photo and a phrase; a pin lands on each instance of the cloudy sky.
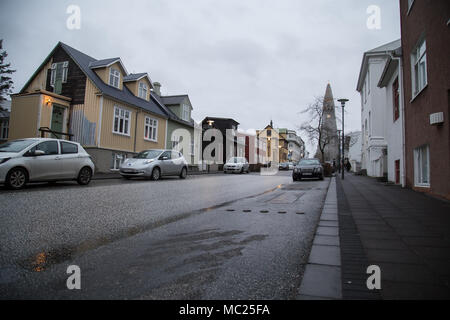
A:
(252, 60)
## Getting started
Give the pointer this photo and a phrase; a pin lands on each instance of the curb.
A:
(322, 277)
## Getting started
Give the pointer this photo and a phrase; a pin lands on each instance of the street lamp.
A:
(339, 154)
(343, 101)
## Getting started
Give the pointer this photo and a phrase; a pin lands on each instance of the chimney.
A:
(157, 88)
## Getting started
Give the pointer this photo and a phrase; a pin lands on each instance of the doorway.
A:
(57, 123)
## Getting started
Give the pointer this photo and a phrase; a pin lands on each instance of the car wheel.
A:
(156, 174)
(17, 178)
(183, 174)
(85, 176)
(321, 178)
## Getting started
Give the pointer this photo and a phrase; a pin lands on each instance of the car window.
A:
(308, 162)
(49, 147)
(148, 154)
(16, 145)
(68, 148)
(166, 154)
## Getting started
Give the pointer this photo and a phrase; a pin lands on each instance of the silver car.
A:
(237, 165)
(154, 164)
(43, 160)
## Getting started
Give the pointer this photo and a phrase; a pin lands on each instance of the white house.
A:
(354, 150)
(380, 85)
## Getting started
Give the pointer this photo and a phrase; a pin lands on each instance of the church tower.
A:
(329, 128)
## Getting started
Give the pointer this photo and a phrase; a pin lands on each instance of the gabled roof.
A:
(173, 100)
(172, 116)
(136, 77)
(393, 47)
(85, 62)
(106, 63)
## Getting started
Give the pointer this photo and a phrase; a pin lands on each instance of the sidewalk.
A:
(405, 233)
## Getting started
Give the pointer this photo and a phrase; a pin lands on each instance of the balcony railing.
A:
(55, 134)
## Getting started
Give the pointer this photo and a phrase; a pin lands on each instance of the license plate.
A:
(307, 174)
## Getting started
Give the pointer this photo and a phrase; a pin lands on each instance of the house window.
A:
(4, 129)
(59, 72)
(142, 90)
(419, 70)
(185, 115)
(396, 99)
(121, 121)
(151, 129)
(114, 77)
(175, 142)
(422, 166)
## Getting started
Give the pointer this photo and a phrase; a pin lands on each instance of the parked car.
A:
(155, 164)
(291, 166)
(43, 160)
(283, 166)
(308, 168)
(236, 165)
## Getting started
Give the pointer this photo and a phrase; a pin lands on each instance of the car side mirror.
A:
(164, 158)
(38, 153)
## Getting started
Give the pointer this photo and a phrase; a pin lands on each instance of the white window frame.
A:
(115, 75)
(65, 71)
(185, 113)
(151, 129)
(142, 90)
(125, 115)
(175, 142)
(418, 58)
(418, 155)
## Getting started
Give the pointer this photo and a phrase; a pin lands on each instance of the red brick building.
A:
(425, 28)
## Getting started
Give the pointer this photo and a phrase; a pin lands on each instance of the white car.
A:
(43, 160)
(236, 165)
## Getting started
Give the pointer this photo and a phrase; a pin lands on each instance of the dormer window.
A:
(143, 89)
(114, 77)
(59, 72)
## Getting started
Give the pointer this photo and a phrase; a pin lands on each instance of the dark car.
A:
(308, 168)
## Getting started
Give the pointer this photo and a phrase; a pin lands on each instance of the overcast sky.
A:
(252, 60)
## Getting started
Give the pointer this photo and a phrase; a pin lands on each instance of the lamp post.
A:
(343, 101)
(339, 154)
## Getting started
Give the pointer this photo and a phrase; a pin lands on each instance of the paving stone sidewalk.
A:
(405, 233)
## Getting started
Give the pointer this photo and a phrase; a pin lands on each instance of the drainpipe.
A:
(135, 130)
(402, 106)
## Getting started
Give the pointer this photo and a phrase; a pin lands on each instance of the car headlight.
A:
(149, 161)
(2, 161)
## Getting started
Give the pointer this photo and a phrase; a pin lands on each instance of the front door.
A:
(57, 124)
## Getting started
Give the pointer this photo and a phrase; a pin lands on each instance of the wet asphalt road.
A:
(208, 237)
